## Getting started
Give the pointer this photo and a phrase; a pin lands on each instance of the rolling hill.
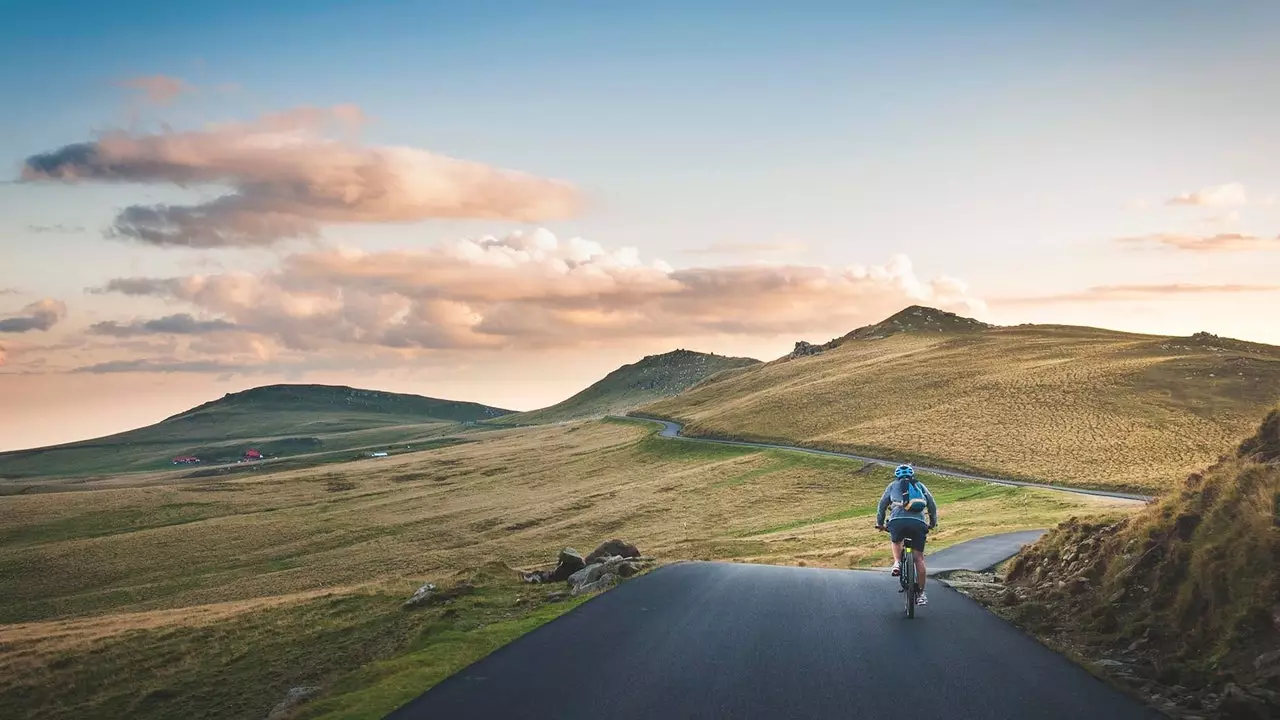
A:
(1072, 405)
(276, 419)
(652, 378)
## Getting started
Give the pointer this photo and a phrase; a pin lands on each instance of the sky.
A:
(503, 201)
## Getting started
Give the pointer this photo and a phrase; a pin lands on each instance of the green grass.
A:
(368, 653)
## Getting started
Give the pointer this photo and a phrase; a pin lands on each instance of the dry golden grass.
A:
(159, 568)
(1077, 406)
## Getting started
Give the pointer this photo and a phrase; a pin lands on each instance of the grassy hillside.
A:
(1187, 592)
(654, 377)
(276, 419)
(1073, 405)
(212, 599)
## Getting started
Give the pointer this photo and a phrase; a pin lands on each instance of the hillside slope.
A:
(1185, 594)
(279, 419)
(652, 378)
(1072, 405)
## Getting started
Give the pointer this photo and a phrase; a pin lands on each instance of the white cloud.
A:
(1229, 194)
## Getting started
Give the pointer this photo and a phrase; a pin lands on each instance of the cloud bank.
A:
(532, 290)
(289, 179)
(1221, 242)
(40, 315)
(179, 324)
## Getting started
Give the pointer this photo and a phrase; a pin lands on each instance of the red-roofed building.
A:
(252, 455)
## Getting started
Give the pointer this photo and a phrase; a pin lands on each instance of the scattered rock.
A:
(609, 548)
(569, 562)
(605, 582)
(1236, 704)
(1267, 660)
(627, 569)
(588, 574)
(422, 596)
(557, 596)
(292, 699)
(1110, 664)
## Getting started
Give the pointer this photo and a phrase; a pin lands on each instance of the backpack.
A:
(913, 499)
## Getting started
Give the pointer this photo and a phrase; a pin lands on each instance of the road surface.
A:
(673, 430)
(725, 640)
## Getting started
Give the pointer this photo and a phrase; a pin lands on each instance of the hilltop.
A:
(652, 378)
(1074, 405)
(275, 419)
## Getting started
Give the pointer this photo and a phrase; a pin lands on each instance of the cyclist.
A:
(905, 523)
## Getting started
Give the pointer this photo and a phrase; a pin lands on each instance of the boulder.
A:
(422, 596)
(610, 548)
(627, 569)
(292, 699)
(588, 574)
(569, 562)
(605, 582)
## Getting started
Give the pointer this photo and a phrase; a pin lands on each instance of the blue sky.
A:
(1004, 143)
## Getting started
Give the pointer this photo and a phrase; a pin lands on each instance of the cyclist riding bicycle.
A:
(905, 522)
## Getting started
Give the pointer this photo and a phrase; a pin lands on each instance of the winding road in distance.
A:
(731, 640)
(673, 431)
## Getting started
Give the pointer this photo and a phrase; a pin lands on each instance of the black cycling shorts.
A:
(900, 528)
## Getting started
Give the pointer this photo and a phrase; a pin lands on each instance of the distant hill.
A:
(1075, 405)
(275, 419)
(654, 377)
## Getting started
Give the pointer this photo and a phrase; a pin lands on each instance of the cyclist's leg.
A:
(895, 540)
(917, 542)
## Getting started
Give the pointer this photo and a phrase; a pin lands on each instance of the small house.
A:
(252, 455)
(380, 453)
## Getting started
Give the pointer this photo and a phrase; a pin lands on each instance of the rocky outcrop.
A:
(611, 562)
(428, 594)
(805, 349)
(422, 596)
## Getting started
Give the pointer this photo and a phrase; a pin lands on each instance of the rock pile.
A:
(600, 570)
(804, 349)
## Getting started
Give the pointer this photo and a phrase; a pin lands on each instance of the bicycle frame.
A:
(907, 578)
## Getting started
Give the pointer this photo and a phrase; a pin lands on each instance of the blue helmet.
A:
(904, 471)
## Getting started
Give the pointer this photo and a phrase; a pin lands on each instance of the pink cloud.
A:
(1214, 196)
(289, 179)
(1221, 242)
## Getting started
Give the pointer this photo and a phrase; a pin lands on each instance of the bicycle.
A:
(907, 576)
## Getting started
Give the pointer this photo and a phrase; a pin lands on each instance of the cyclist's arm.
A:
(884, 503)
(933, 508)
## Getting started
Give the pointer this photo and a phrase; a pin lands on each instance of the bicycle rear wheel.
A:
(909, 574)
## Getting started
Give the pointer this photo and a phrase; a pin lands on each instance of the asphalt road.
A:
(724, 640)
(672, 430)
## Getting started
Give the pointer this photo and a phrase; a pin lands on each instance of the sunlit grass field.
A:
(211, 597)
(1076, 406)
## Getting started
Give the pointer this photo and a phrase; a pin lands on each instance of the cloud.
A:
(179, 324)
(166, 365)
(533, 290)
(1221, 242)
(1214, 196)
(289, 180)
(1113, 293)
(158, 89)
(10, 291)
(40, 315)
(58, 228)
